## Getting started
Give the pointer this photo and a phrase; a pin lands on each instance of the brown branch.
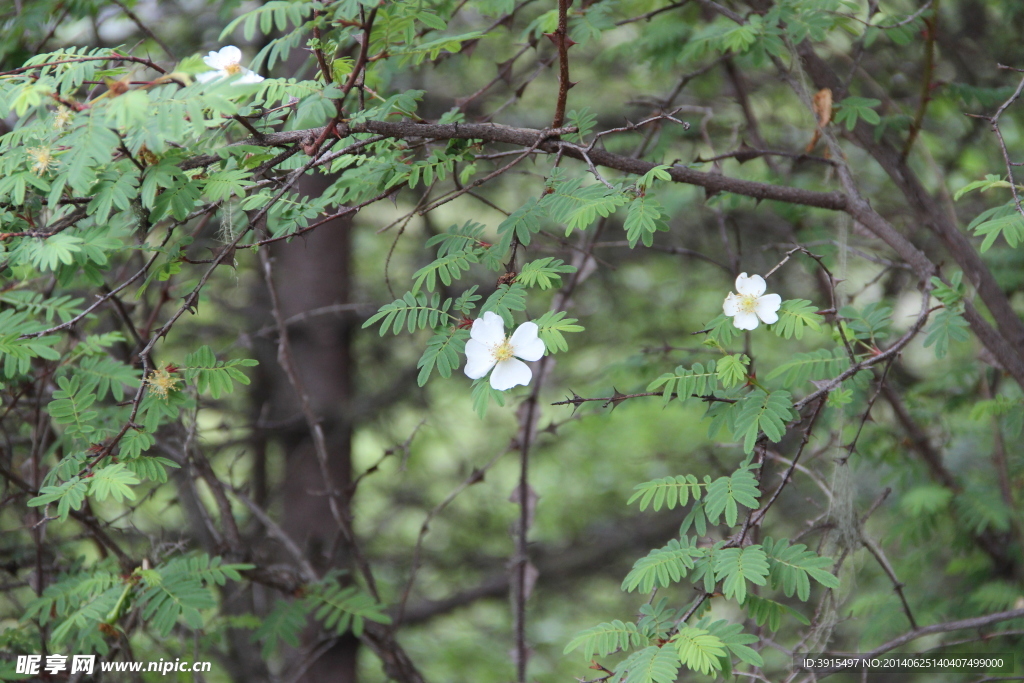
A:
(99, 302)
(1008, 344)
(897, 585)
(364, 48)
(284, 358)
(145, 29)
(919, 440)
(563, 42)
(525, 137)
(757, 516)
(108, 58)
(653, 13)
(932, 29)
(87, 520)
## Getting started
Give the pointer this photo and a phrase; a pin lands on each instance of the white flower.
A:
(227, 62)
(489, 348)
(751, 303)
(43, 159)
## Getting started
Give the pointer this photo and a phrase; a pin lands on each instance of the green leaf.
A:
(413, 311)
(442, 352)
(667, 491)
(271, 14)
(978, 510)
(208, 569)
(35, 304)
(926, 500)
(69, 496)
(577, 207)
(17, 353)
(606, 638)
(522, 224)
(283, 623)
(725, 493)
(221, 185)
(49, 253)
(791, 565)
(659, 172)
(447, 268)
(947, 325)
(550, 328)
(545, 272)
(734, 639)
(70, 408)
(644, 217)
(990, 181)
(762, 412)
(721, 330)
(341, 608)
(482, 394)
(1010, 226)
(950, 295)
(699, 650)
(764, 611)
(737, 566)
(114, 481)
(853, 108)
(732, 370)
(212, 375)
(86, 615)
(696, 517)
(112, 190)
(459, 239)
(794, 316)
(815, 365)
(699, 380)
(584, 121)
(504, 300)
(662, 566)
(467, 301)
(103, 375)
(167, 594)
(652, 664)
(872, 323)
(151, 467)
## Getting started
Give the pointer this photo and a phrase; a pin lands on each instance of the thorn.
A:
(745, 153)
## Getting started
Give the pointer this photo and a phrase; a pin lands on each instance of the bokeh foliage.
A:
(140, 208)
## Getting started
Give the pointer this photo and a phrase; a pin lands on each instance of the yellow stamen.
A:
(43, 158)
(747, 303)
(161, 382)
(503, 351)
(61, 117)
(233, 68)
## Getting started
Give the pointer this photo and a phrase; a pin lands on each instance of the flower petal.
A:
(731, 306)
(525, 342)
(479, 359)
(745, 321)
(767, 308)
(230, 54)
(213, 61)
(488, 329)
(209, 76)
(510, 373)
(753, 285)
(249, 77)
